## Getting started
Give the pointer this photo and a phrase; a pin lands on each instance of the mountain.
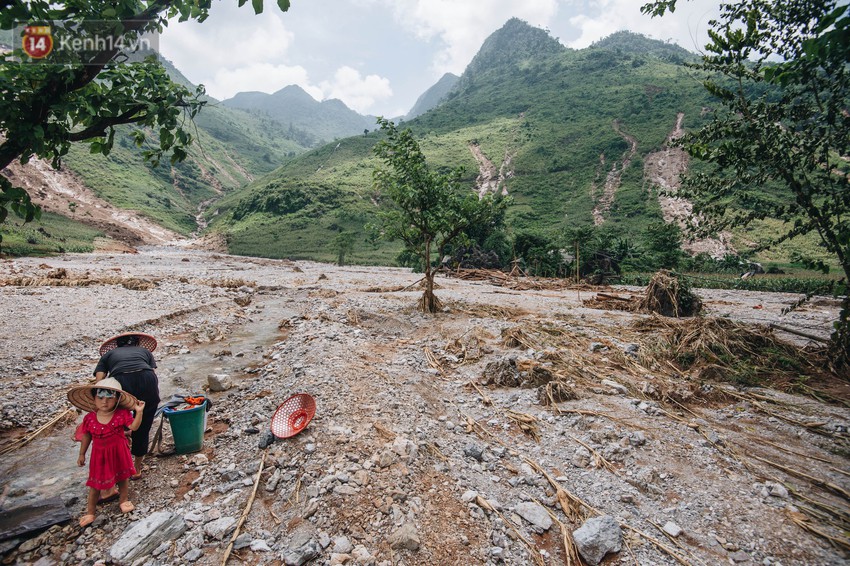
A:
(634, 43)
(433, 96)
(298, 111)
(575, 137)
(232, 148)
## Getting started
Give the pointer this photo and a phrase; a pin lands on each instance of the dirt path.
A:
(413, 458)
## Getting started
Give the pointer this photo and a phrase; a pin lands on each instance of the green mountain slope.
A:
(232, 148)
(556, 122)
(433, 96)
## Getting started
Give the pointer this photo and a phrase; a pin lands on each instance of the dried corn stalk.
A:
(527, 424)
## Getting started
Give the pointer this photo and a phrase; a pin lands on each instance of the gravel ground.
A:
(431, 443)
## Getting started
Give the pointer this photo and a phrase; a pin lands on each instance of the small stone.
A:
(242, 541)
(672, 529)
(468, 496)
(342, 545)
(474, 451)
(260, 545)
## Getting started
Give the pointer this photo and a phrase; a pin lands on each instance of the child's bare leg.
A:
(91, 501)
(124, 503)
(123, 490)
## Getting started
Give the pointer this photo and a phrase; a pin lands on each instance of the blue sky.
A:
(378, 56)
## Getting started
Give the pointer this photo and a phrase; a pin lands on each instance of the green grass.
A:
(50, 235)
(799, 281)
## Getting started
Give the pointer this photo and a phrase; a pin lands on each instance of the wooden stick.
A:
(586, 412)
(484, 398)
(605, 463)
(799, 333)
(535, 554)
(245, 511)
(802, 521)
(570, 550)
(820, 483)
(413, 284)
(615, 297)
(789, 451)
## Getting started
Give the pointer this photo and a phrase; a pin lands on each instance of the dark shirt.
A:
(125, 359)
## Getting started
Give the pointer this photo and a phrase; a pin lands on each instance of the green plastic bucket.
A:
(187, 428)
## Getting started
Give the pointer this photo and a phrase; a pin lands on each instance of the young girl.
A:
(111, 463)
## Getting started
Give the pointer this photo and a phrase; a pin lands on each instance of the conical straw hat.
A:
(81, 395)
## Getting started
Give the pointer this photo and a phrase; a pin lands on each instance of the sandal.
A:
(127, 506)
(135, 477)
(86, 520)
(107, 496)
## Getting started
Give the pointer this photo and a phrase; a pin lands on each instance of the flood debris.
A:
(669, 295)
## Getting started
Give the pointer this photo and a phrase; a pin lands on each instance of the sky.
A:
(379, 56)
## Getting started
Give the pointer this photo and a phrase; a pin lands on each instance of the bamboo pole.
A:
(245, 511)
(26, 440)
(799, 333)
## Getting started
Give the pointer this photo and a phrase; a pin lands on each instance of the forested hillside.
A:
(578, 139)
(232, 148)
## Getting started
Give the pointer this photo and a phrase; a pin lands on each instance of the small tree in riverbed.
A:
(429, 210)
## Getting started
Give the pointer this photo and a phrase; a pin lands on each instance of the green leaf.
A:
(283, 5)
(258, 6)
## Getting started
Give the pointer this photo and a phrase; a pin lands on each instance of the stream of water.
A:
(47, 467)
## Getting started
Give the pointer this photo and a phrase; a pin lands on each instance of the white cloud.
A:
(461, 27)
(263, 77)
(356, 91)
(686, 26)
(235, 50)
(229, 38)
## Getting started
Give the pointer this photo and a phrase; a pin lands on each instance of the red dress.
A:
(111, 460)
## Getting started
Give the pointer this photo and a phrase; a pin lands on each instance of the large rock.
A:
(405, 537)
(219, 382)
(219, 528)
(302, 546)
(535, 514)
(145, 535)
(597, 537)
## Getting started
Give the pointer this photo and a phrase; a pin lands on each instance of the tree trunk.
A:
(839, 347)
(430, 304)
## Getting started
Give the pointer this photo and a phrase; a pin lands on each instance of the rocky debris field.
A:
(515, 427)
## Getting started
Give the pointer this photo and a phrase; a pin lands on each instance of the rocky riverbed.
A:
(435, 440)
